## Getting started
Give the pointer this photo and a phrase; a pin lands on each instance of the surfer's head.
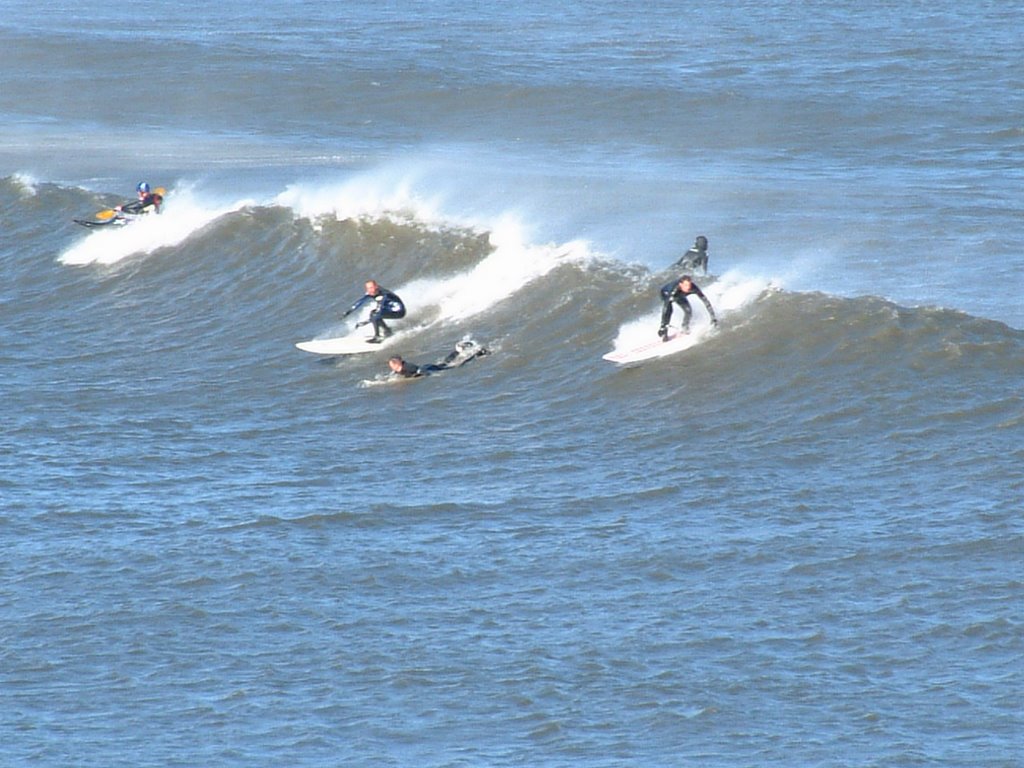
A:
(372, 288)
(685, 281)
(142, 188)
(395, 364)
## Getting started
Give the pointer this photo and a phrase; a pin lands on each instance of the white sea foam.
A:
(392, 193)
(729, 294)
(512, 265)
(388, 192)
(27, 182)
(183, 213)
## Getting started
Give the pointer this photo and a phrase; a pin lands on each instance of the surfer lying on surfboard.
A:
(676, 292)
(386, 305)
(464, 352)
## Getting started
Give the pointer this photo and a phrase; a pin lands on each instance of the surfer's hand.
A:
(361, 323)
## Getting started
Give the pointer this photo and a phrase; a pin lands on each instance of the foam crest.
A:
(382, 194)
(183, 213)
(26, 183)
(513, 264)
(735, 290)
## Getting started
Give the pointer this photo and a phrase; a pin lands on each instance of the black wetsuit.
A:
(409, 370)
(462, 354)
(388, 306)
(453, 359)
(673, 293)
(695, 258)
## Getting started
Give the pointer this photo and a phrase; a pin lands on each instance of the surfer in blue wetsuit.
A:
(676, 293)
(464, 352)
(386, 305)
(696, 257)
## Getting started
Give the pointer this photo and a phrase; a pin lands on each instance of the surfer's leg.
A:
(377, 318)
(685, 306)
(379, 327)
(666, 316)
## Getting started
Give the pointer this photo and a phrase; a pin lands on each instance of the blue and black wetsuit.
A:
(387, 306)
(674, 293)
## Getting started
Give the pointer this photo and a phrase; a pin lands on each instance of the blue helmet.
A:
(143, 188)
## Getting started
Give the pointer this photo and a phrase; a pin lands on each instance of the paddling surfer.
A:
(464, 352)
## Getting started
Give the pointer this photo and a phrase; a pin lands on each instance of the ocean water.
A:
(798, 542)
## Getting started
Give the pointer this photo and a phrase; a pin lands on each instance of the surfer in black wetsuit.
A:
(464, 352)
(404, 368)
(386, 305)
(696, 257)
(676, 293)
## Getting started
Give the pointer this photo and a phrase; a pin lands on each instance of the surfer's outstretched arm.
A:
(362, 300)
(710, 309)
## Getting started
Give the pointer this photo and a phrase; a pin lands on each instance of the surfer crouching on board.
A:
(387, 305)
(464, 352)
(676, 293)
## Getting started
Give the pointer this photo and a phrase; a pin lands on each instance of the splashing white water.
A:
(728, 295)
(182, 215)
(391, 193)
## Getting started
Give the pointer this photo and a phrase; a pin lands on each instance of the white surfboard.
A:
(677, 341)
(353, 344)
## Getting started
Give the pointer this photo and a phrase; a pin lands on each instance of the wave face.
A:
(808, 488)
